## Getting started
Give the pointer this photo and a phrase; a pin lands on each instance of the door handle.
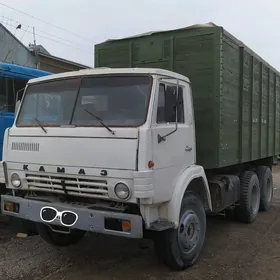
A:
(188, 148)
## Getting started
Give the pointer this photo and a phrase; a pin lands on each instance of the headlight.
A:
(122, 191)
(15, 180)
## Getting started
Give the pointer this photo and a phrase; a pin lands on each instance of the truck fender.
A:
(194, 179)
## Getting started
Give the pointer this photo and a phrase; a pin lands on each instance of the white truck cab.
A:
(110, 151)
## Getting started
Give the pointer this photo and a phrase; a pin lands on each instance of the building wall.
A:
(55, 66)
(11, 51)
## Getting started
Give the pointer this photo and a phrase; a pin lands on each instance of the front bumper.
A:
(88, 219)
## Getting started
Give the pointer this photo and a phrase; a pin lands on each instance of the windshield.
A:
(115, 100)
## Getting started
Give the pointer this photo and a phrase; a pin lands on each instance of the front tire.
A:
(180, 248)
(59, 239)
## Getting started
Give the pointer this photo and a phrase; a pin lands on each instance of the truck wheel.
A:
(249, 204)
(180, 248)
(59, 239)
(266, 185)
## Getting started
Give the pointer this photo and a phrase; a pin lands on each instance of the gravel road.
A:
(232, 251)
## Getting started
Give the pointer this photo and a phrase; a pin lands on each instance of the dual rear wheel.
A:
(256, 193)
(266, 184)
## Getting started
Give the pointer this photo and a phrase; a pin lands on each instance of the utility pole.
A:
(35, 49)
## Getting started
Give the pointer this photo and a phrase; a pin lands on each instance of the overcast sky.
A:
(254, 22)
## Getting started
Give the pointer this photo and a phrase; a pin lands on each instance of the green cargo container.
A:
(236, 93)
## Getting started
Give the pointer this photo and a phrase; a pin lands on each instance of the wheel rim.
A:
(255, 200)
(188, 232)
(269, 190)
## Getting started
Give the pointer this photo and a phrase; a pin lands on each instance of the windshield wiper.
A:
(101, 122)
(40, 124)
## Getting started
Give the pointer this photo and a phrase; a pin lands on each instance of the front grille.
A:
(67, 184)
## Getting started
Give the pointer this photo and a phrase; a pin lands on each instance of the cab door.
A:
(175, 152)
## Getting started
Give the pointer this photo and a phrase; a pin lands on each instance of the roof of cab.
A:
(107, 71)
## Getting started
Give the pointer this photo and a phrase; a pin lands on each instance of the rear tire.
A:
(249, 204)
(266, 185)
(180, 248)
(59, 239)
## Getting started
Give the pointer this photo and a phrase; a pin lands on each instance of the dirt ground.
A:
(232, 251)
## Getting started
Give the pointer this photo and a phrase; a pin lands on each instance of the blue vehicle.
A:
(13, 79)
